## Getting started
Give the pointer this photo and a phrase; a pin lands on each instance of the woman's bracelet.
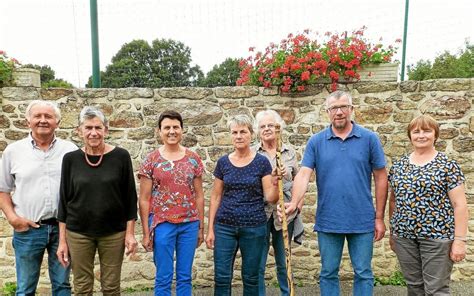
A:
(461, 238)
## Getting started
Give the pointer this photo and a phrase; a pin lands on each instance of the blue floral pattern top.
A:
(422, 205)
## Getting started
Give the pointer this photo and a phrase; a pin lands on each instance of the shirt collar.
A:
(33, 142)
(259, 147)
(355, 132)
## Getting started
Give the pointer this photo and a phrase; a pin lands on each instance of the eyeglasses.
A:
(270, 126)
(343, 108)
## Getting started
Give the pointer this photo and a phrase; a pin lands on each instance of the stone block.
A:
(403, 117)
(189, 140)
(15, 135)
(254, 103)
(408, 86)
(20, 93)
(311, 90)
(26, 77)
(229, 104)
(375, 87)
(55, 93)
(70, 113)
(296, 103)
(7, 108)
(20, 123)
(92, 93)
(303, 129)
(198, 113)
(141, 133)
(457, 84)
(192, 93)
(126, 119)
(406, 105)
(6, 230)
(202, 130)
(223, 139)
(236, 91)
(463, 144)
(3, 145)
(373, 114)
(446, 107)
(132, 92)
(4, 121)
(448, 133)
(416, 97)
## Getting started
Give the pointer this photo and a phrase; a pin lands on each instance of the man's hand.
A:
(21, 224)
(63, 254)
(379, 229)
(130, 245)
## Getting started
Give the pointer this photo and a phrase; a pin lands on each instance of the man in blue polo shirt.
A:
(344, 157)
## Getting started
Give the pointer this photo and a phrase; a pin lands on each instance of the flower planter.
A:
(26, 77)
(379, 72)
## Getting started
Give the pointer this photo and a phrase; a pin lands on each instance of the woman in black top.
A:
(97, 208)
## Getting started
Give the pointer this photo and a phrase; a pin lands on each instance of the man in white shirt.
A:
(29, 195)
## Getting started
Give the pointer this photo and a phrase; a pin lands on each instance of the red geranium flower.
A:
(299, 60)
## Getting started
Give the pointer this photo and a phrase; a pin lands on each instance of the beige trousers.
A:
(82, 249)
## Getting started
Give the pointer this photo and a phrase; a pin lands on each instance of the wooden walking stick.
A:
(284, 223)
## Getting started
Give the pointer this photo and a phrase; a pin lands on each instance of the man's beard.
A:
(340, 125)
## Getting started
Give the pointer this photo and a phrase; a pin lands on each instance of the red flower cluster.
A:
(298, 61)
(6, 68)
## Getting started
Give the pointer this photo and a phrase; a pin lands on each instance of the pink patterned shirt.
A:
(173, 197)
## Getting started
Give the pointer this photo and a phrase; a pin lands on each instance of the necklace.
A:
(98, 162)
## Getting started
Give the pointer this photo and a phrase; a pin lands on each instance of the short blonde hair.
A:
(243, 120)
(424, 122)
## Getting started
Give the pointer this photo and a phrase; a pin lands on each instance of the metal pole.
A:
(404, 48)
(95, 45)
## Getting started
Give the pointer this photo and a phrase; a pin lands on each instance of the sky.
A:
(57, 32)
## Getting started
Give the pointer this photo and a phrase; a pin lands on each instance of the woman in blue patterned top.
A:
(237, 218)
(428, 212)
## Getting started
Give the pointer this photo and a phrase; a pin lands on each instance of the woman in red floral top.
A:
(172, 206)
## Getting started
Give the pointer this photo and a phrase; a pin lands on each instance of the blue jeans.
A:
(182, 238)
(228, 240)
(279, 254)
(29, 250)
(360, 247)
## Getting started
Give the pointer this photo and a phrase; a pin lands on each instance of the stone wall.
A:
(384, 107)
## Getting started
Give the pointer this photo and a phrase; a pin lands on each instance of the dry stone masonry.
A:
(385, 107)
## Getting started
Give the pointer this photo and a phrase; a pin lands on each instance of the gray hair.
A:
(337, 95)
(52, 105)
(273, 114)
(241, 119)
(90, 112)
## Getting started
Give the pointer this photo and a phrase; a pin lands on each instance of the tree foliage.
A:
(224, 74)
(446, 65)
(164, 63)
(48, 77)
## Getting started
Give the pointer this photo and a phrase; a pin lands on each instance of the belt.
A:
(50, 221)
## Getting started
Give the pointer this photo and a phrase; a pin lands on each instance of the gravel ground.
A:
(457, 289)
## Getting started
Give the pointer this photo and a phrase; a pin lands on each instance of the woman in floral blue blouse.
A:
(428, 212)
